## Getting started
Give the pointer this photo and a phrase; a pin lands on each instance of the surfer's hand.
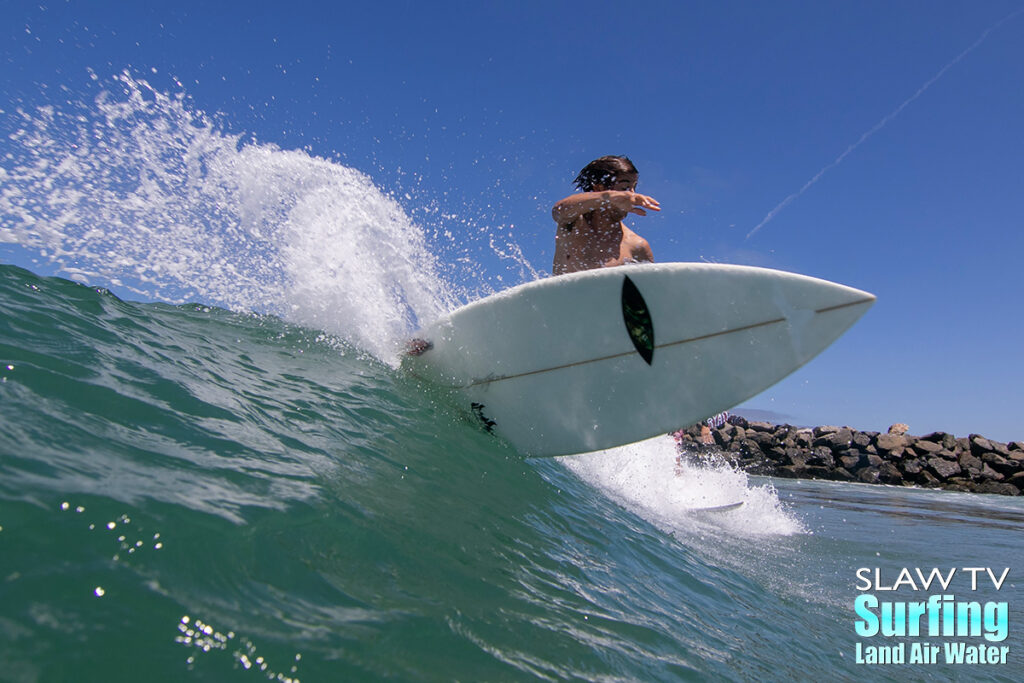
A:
(641, 202)
(631, 202)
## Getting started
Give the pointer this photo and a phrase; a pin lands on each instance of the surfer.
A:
(706, 437)
(590, 231)
(702, 452)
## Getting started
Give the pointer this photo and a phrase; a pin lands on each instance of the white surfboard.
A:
(601, 358)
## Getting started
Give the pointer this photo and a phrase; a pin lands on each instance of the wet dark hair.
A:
(603, 172)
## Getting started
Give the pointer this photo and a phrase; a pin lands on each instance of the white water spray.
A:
(647, 479)
(142, 192)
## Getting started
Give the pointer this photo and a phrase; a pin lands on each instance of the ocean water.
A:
(234, 480)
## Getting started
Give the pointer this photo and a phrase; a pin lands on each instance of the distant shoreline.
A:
(938, 460)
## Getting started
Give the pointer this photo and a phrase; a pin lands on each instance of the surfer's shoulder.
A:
(635, 248)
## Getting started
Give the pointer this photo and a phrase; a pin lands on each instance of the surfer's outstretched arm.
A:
(566, 211)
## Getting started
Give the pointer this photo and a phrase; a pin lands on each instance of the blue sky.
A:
(487, 110)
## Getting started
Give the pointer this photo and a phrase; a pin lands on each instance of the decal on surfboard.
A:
(638, 321)
(488, 423)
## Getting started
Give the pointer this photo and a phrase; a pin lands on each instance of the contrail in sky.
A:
(881, 124)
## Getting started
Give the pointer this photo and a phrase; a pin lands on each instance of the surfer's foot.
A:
(417, 347)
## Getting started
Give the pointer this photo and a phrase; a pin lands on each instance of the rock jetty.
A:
(936, 460)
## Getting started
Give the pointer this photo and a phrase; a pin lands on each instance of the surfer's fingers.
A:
(647, 202)
(637, 210)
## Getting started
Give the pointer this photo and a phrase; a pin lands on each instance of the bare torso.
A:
(590, 242)
(590, 232)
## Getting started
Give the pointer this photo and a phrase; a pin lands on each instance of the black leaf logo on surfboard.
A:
(638, 320)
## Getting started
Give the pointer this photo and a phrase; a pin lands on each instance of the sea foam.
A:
(648, 479)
